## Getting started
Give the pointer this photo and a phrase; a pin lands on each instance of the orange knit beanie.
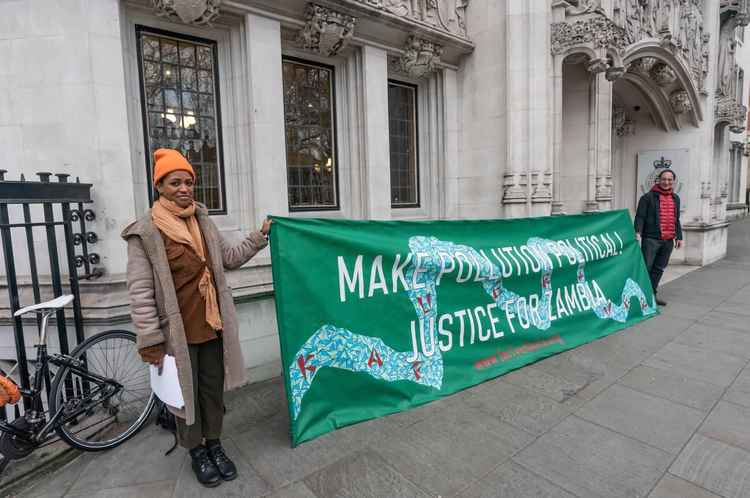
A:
(167, 161)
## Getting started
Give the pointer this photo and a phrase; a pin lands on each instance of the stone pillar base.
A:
(704, 243)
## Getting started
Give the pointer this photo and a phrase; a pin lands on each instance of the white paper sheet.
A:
(167, 385)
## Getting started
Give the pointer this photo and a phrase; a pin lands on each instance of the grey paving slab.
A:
(715, 466)
(141, 460)
(674, 387)
(57, 483)
(650, 335)
(739, 391)
(591, 372)
(456, 446)
(686, 311)
(296, 490)
(363, 475)
(649, 419)
(162, 489)
(724, 320)
(247, 483)
(267, 448)
(730, 424)
(591, 461)
(716, 339)
(517, 406)
(733, 307)
(510, 480)
(741, 297)
(253, 405)
(687, 294)
(696, 363)
(674, 487)
(553, 386)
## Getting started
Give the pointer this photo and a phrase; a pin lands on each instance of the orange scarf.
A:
(182, 226)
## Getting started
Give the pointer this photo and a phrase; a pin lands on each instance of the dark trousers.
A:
(207, 361)
(656, 254)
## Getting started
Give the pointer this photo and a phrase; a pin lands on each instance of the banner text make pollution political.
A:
(378, 317)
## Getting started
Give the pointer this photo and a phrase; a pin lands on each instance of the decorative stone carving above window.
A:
(729, 111)
(642, 66)
(680, 101)
(420, 57)
(678, 24)
(591, 31)
(326, 31)
(662, 74)
(188, 11)
(444, 15)
(596, 31)
(579, 7)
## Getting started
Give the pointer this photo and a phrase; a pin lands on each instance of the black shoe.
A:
(225, 466)
(204, 467)
(661, 302)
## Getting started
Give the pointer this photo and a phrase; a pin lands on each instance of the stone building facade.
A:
(381, 109)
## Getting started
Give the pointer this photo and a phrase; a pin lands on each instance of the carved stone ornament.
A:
(604, 188)
(580, 7)
(705, 190)
(196, 12)
(597, 31)
(590, 30)
(642, 66)
(677, 24)
(680, 101)
(326, 31)
(662, 74)
(420, 57)
(514, 188)
(729, 111)
(622, 123)
(445, 15)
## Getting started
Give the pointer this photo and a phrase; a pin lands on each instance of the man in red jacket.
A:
(657, 226)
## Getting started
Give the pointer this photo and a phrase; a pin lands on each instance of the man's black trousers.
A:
(656, 254)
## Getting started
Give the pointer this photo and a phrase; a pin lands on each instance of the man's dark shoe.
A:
(225, 466)
(661, 302)
(204, 467)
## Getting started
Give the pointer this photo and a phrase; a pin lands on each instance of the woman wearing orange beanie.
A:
(181, 305)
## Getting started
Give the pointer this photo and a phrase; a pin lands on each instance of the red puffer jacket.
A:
(667, 218)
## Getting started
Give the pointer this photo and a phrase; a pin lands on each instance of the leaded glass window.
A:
(310, 139)
(179, 84)
(402, 133)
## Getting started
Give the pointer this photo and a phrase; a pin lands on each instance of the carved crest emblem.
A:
(188, 11)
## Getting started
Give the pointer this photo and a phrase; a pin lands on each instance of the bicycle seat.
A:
(55, 304)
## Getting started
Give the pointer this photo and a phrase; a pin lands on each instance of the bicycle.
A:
(100, 395)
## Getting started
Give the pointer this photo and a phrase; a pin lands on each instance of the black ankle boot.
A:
(225, 466)
(204, 467)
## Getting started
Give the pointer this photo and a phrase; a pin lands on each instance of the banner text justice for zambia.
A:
(484, 322)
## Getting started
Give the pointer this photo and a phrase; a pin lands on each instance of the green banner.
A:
(376, 317)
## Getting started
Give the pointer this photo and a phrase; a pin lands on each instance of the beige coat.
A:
(153, 300)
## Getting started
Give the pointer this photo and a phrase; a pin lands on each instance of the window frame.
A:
(334, 134)
(417, 169)
(140, 30)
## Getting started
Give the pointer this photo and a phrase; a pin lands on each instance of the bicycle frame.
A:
(42, 374)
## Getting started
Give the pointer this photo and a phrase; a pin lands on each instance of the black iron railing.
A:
(72, 215)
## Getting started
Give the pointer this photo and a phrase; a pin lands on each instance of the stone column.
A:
(376, 175)
(600, 144)
(528, 137)
(266, 119)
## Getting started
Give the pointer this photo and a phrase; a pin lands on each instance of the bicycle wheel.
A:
(106, 421)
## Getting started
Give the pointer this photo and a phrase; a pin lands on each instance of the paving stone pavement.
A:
(660, 410)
